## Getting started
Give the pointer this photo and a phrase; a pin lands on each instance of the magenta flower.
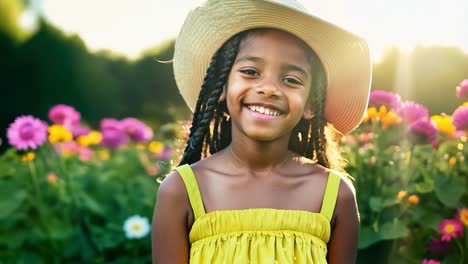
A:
(430, 261)
(422, 131)
(411, 111)
(462, 89)
(460, 118)
(27, 132)
(450, 228)
(136, 130)
(64, 115)
(113, 135)
(437, 246)
(378, 98)
(79, 130)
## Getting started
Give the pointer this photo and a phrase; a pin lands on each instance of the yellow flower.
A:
(92, 138)
(370, 114)
(413, 199)
(103, 154)
(28, 156)
(156, 147)
(58, 133)
(465, 104)
(444, 124)
(382, 112)
(452, 161)
(391, 118)
(401, 194)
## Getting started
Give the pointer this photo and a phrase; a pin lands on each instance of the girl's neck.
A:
(259, 156)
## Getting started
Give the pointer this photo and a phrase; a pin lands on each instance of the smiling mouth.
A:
(263, 110)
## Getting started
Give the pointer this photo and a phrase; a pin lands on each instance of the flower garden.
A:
(73, 194)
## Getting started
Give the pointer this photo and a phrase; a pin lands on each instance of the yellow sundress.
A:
(259, 235)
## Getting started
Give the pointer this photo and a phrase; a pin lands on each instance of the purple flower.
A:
(411, 111)
(460, 118)
(378, 98)
(437, 246)
(165, 154)
(113, 135)
(462, 89)
(136, 130)
(27, 132)
(64, 115)
(422, 131)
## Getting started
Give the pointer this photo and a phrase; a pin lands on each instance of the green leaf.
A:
(449, 190)
(376, 204)
(394, 230)
(367, 237)
(426, 186)
(91, 204)
(10, 200)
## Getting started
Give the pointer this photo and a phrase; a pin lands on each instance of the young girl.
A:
(260, 180)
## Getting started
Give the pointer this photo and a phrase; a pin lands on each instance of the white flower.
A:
(136, 227)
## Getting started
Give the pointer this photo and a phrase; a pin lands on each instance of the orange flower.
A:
(413, 199)
(401, 194)
(452, 161)
(391, 118)
(463, 215)
(52, 178)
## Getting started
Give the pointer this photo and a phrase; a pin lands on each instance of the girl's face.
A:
(268, 87)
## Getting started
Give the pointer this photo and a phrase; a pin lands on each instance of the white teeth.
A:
(263, 110)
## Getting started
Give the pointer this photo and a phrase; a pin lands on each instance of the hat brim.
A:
(345, 56)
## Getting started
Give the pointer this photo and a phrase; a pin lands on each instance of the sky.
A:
(131, 26)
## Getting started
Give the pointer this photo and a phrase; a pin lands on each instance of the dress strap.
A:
(192, 190)
(330, 195)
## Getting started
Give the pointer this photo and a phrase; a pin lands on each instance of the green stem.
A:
(68, 179)
(40, 203)
(462, 252)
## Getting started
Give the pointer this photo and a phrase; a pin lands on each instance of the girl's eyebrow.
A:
(262, 61)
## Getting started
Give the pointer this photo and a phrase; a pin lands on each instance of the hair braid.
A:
(207, 104)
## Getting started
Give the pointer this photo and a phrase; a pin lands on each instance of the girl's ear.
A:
(222, 97)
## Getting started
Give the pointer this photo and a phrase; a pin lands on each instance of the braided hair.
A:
(311, 138)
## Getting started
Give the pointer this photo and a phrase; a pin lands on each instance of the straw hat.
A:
(344, 55)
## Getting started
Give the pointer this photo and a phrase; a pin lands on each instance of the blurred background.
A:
(102, 56)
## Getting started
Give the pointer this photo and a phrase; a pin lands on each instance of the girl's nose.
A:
(268, 89)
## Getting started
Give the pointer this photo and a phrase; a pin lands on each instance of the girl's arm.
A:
(169, 235)
(342, 247)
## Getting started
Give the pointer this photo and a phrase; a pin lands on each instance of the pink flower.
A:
(27, 132)
(378, 98)
(422, 131)
(430, 261)
(460, 118)
(79, 130)
(451, 228)
(113, 135)
(462, 89)
(411, 111)
(64, 115)
(136, 130)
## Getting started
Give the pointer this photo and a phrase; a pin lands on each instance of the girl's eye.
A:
(250, 72)
(293, 81)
